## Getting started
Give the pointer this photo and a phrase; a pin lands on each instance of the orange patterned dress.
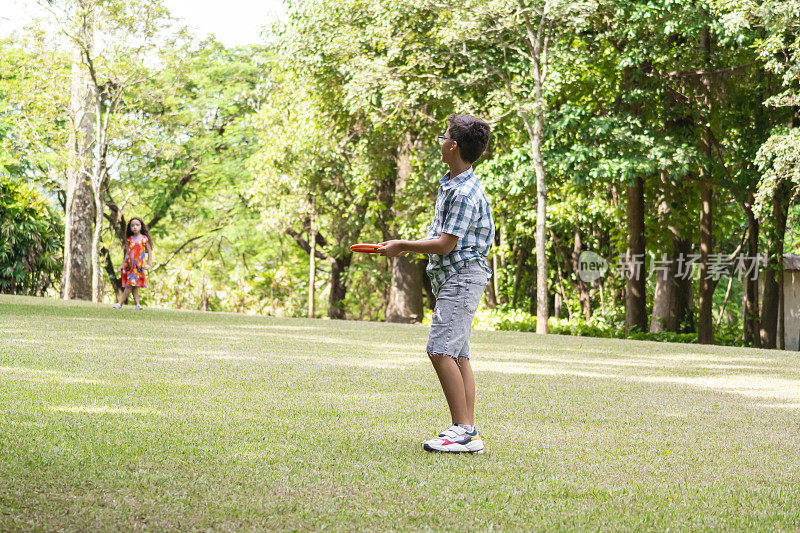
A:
(133, 266)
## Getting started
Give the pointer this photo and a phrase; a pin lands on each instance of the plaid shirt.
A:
(463, 210)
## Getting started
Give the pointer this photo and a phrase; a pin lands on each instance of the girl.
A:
(138, 243)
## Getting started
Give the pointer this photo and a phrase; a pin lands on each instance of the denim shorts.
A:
(456, 304)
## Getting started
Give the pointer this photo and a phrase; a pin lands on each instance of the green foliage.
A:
(779, 161)
(30, 240)
(237, 154)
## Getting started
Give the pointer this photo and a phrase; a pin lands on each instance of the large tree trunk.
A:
(542, 310)
(636, 282)
(405, 303)
(536, 133)
(339, 266)
(405, 292)
(705, 324)
(752, 321)
(78, 218)
(681, 311)
(99, 184)
(769, 307)
(662, 297)
(537, 42)
(663, 294)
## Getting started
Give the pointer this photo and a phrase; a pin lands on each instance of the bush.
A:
(30, 240)
(598, 326)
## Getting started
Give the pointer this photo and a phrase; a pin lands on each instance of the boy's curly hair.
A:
(472, 135)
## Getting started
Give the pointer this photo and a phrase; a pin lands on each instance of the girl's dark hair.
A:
(471, 134)
(145, 231)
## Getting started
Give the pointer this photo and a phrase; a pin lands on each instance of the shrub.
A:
(30, 240)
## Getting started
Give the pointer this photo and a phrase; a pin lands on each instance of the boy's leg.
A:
(468, 380)
(450, 376)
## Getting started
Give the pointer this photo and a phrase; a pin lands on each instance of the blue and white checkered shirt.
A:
(463, 210)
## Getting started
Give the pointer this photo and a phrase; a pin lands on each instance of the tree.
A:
(30, 242)
(102, 77)
(510, 44)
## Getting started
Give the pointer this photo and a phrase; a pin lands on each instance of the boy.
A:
(457, 245)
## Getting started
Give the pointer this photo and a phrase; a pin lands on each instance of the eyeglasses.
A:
(442, 139)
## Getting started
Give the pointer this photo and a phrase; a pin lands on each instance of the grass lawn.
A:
(181, 420)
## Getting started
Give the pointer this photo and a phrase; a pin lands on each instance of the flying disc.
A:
(365, 248)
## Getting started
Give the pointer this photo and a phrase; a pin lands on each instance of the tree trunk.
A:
(78, 218)
(662, 297)
(681, 312)
(771, 303)
(705, 323)
(405, 291)
(537, 43)
(536, 133)
(665, 272)
(111, 272)
(583, 289)
(636, 282)
(97, 274)
(339, 266)
(489, 295)
(522, 252)
(405, 303)
(752, 321)
(781, 307)
(500, 265)
(542, 311)
(103, 113)
(312, 269)
(428, 292)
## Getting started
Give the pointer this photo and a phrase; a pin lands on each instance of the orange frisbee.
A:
(365, 248)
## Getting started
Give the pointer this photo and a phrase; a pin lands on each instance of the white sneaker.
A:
(116, 306)
(455, 439)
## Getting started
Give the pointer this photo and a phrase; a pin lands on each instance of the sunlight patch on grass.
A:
(675, 414)
(782, 405)
(392, 361)
(753, 386)
(103, 409)
(47, 376)
(536, 369)
(278, 327)
(749, 385)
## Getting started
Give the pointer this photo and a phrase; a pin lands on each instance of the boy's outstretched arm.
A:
(442, 245)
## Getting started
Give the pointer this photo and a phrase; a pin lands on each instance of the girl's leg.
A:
(453, 386)
(125, 295)
(469, 388)
(136, 295)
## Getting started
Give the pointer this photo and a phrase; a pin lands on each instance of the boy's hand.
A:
(392, 248)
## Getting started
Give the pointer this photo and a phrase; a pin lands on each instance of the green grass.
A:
(178, 420)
